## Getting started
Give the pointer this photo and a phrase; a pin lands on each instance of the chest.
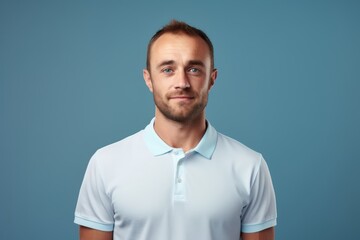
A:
(168, 188)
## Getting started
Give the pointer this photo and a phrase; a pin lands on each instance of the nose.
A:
(182, 80)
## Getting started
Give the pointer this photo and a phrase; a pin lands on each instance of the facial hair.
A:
(182, 112)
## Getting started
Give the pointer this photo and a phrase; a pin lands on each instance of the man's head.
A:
(180, 72)
(177, 27)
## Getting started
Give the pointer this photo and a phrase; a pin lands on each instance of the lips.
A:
(181, 97)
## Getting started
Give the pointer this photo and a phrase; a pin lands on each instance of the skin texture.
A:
(180, 78)
(92, 234)
(267, 234)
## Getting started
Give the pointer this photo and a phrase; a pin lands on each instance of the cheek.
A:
(161, 83)
(159, 90)
(203, 86)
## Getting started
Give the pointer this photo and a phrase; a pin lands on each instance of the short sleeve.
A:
(94, 208)
(260, 213)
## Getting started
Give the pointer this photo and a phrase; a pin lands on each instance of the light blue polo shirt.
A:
(143, 189)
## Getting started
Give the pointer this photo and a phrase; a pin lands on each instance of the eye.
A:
(193, 70)
(167, 70)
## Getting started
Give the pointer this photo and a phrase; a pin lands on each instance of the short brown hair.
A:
(175, 26)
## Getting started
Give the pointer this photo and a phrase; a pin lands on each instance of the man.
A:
(178, 179)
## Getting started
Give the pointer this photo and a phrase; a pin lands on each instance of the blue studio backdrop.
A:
(288, 87)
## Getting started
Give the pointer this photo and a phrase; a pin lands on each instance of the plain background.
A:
(288, 87)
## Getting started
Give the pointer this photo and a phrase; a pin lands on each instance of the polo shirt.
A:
(143, 189)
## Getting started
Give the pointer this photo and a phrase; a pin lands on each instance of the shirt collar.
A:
(157, 146)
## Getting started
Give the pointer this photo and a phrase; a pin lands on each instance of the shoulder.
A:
(244, 161)
(236, 150)
(121, 148)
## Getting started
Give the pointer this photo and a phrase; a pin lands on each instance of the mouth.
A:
(181, 97)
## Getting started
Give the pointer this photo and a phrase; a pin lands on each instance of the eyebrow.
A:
(165, 63)
(196, 63)
(172, 62)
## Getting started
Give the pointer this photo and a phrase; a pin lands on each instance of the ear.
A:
(213, 77)
(147, 78)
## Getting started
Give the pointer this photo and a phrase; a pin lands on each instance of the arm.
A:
(92, 234)
(259, 216)
(267, 234)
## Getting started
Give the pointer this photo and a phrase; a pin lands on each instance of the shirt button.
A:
(179, 180)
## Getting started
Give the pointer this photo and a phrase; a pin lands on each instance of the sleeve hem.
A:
(94, 225)
(251, 228)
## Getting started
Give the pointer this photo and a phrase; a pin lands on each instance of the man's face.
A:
(180, 76)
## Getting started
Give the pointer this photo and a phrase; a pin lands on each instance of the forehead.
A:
(170, 45)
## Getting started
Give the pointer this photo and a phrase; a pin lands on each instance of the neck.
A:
(185, 135)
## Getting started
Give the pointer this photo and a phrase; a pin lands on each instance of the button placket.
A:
(179, 188)
(180, 172)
